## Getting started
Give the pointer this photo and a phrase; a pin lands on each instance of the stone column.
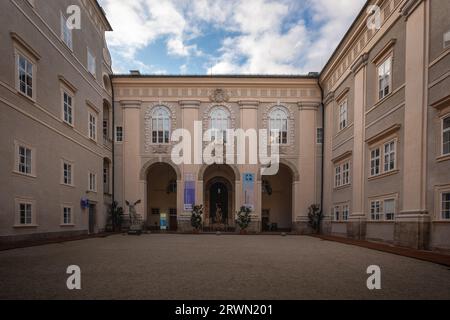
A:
(304, 188)
(413, 223)
(249, 121)
(329, 105)
(356, 226)
(133, 188)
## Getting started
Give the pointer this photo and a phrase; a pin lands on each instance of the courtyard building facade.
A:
(367, 139)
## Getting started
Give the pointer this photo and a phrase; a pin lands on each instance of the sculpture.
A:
(134, 217)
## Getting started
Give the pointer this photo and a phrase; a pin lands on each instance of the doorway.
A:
(92, 218)
(218, 200)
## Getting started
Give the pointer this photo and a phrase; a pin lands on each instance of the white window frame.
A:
(382, 214)
(443, 132)
(92, 182)
(121, 134)
(161, 126)
(320, 136)
(18, 218)
(382, 74)
(66, 33)
(92, 126)
(17, 159)
(70, 209)
(69, 94)
(91, 63)
(70, 181)
(342, 174)
(28, 62)
(336, 213)
(279, 135)
(384, 155)
(441, 206)
(343, 115)
(345, 212)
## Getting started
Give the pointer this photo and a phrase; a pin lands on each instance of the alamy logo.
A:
(74, 17)
(74, 280)
(374, 281)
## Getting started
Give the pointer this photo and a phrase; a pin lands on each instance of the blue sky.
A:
(226, 36)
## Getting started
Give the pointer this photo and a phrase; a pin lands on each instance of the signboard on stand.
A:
(189, 192)
(249, 190)
(163, 221)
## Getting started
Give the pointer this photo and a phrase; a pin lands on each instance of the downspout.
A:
(113, 187)
(322, 176)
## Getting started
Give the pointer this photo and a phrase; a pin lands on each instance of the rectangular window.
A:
(119, 134)
(92, 182)
(345, 212)
(25, 76)
(389, 209)
(92, 126)
(343, 115)
(67, 108)
(384, 78)
(66, 32)
(337, 213)
(25, 213)
(337, 178)
(155, 211)
(67, 173)
(375, 162)
(445, 210)
(67, 215)
(106, 180)
(105, 129)
(346, 173)
(375, 210)
(25, 161)
(446, 136)
(320, 135)
(389, 156)
(91, 63)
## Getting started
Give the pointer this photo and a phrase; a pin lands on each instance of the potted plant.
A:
(243, 219)
(115, 217)
(197, 218)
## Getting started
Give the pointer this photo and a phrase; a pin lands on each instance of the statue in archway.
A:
(134, 218)
(219, 214)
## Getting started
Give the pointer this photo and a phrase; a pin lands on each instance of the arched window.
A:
(160, 125)
(219, 123)
(278, 125)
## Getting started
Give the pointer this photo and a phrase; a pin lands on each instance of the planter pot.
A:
(243, 232)
(196, 231)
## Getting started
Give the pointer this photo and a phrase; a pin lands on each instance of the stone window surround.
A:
(71, 163)
(25, 200)
(15, 170)
(116, 134)
(382, 199)
(68, 89)
(94, 114)
(95, 184)
(379, 141)
(382, 57)
(72, 216)
(340, 206)
(439, 191)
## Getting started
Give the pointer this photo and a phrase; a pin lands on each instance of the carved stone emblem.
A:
(160, 149)
(219, 96)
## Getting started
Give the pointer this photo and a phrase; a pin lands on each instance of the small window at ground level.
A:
(446, 136)
(67, 215)
(445, 211)
(155, 211)
(119, 134)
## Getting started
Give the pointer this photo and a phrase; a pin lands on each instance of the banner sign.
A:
(163, 221)
(249, 190)
(189, 191)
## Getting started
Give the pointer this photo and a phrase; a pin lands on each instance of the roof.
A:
(103, 14)
(224, 76)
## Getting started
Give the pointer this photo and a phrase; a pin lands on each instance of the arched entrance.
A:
(161, 196)
(219, 197)
(277, 200)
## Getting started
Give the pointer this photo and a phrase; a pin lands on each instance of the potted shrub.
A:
(315, 216)
(243, 219)
(197, 218)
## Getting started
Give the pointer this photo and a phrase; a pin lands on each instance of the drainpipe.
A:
(113, 178)
(322, 176)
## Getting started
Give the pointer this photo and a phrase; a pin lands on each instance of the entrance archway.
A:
(161, 195)
(277, 200)
(219, 196)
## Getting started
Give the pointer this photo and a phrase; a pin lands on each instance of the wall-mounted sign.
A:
(249, 190)
(189, 191)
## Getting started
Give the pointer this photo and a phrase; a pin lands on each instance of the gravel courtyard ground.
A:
(228, 267)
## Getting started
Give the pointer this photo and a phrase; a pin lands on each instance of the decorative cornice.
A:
(360, 63)
(19, 40)
(130, 103)
(249, 104)
(67, 83)
(384, 51)
(378, 137)
(92, 106)
(189, 104)
(308, 106)
(442, 103)
(329, 98)
(408, 8)
(342, 94)
(343, 156)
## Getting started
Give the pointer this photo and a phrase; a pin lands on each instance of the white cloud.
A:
(265, 37)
